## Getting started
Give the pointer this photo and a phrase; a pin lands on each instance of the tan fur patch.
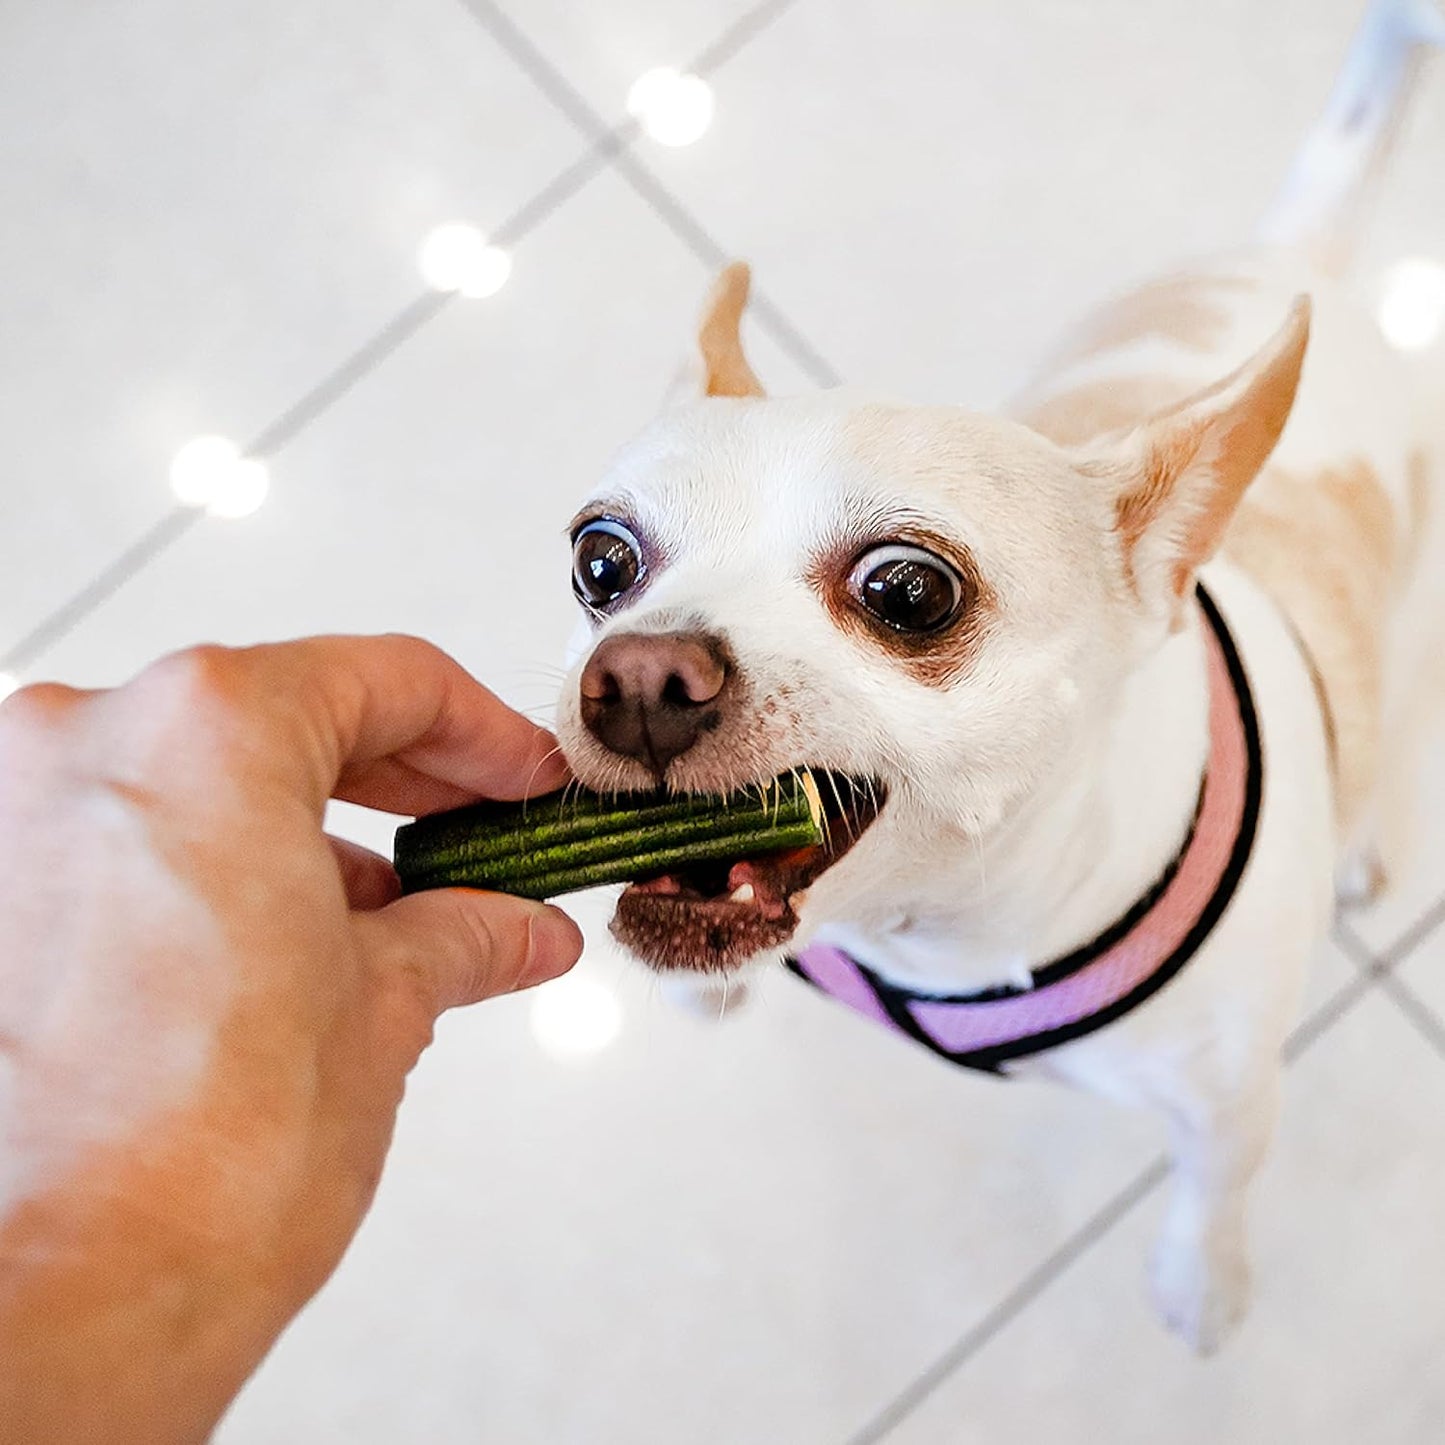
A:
(936, 659)
(1094, 409)
(1243, 436)
(727, 369)
(1191, 311)
(1137, 509)
(1326, 546)
(1417, 483)
(1235, 423)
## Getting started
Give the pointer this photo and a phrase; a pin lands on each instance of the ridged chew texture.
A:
(570, 840)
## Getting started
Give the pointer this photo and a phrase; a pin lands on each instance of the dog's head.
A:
(934, 607)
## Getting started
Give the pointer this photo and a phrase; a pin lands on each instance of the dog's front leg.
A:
(1200, 1271)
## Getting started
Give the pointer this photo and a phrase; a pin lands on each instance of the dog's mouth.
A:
(713, 917)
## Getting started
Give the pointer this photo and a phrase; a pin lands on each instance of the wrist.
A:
(118, 1326)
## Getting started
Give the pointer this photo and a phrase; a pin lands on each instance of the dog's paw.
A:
(1202, 1295)
(705, 999)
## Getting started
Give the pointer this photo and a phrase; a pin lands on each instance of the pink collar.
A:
(1134, 958)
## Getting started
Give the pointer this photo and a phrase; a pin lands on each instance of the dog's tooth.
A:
(743, 893)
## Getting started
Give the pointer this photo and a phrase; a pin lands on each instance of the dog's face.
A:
(933, 607)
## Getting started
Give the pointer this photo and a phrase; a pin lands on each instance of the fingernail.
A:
(554, 944)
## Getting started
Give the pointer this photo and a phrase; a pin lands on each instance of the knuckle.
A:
(197, 671)
(198, 682)
(39, 705)
(32, 718)
(187, 710)
(410, 639)
(418, 651)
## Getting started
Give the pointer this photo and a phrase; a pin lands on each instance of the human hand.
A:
(208, 1008)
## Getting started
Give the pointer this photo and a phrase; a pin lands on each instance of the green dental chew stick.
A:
(570, 840)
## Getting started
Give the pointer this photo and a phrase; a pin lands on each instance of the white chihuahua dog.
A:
(1106, 694)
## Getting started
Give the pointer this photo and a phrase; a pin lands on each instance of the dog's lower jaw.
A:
(713, 917)
(684, 936)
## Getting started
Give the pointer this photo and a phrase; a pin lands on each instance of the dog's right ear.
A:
(720, 368)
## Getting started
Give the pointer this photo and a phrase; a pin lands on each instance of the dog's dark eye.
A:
(907, 588)
(606, 562)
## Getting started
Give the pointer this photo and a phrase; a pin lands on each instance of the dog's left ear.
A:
(1181, 474)
(725, 369)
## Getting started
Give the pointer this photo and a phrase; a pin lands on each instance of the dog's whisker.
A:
(536, 768)
(541, 669)
(825, 821)
(572, 794)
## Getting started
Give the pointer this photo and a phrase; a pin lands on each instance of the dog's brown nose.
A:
(651, 697)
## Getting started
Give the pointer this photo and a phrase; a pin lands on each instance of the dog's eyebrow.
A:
(599, 507)
(868, 519)
(863, 516)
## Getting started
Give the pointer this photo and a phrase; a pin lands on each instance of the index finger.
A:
(394, 722)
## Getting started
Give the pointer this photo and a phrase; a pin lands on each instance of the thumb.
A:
(467, 946)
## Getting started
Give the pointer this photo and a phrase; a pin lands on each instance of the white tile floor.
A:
(789, 1228)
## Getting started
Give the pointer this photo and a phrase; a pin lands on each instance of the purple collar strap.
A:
(1129, 961)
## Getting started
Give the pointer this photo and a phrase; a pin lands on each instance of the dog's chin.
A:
(717, 917)
(697, 935)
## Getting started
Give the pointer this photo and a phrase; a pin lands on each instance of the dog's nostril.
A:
(676, 691)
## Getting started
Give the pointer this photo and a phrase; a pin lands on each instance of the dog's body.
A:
(1308, 575)
(1042, 750)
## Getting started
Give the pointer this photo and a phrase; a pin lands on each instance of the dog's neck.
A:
(1088, 845)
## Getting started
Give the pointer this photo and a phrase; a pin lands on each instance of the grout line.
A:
(1354, 947)
(360, 364)
(1427, 1022)
(558, 191)
(1309, 1031)
(1385, 972)
(1013, 1304)
(742, 31)
(614, 143)
(1305, 1034)
(685, 226)
(179, 520)
(607, 144)
(1414, 935)
(1394, 953)
(109, 580)
(545, 76)
(791, 340)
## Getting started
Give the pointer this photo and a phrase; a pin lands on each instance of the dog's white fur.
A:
(1036, 792)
